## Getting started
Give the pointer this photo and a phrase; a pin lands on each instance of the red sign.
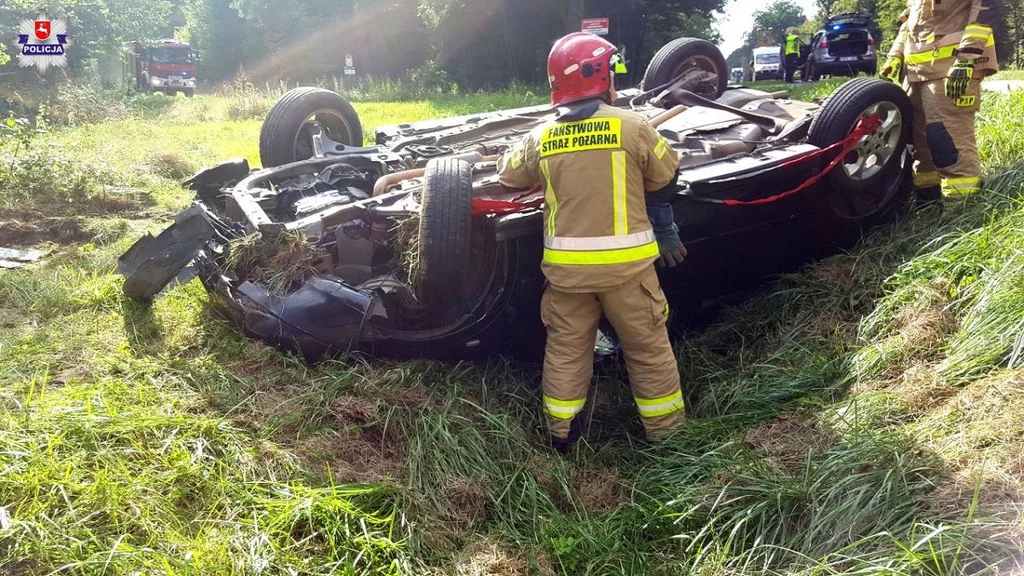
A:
(597, 26)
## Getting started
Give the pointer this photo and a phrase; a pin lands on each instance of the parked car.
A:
(844, 47)
(349, 216)
(767, 63)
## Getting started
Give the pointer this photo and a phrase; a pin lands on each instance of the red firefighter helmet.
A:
(579, 67)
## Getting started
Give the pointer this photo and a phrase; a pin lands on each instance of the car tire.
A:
(190, 93)
(282, 138)
(444, 233)
(879, 188)
(668, 63)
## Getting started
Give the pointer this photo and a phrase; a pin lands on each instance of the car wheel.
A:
(287, 133)
(698, 62)
(814, 74)
(444, 234)
(190, 93)
(871, 184)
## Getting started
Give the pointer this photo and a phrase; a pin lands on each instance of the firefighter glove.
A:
(671, 247)
(893, 69)
(959, 78)
(667, 234)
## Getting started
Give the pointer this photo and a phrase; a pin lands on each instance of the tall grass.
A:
(861, 416)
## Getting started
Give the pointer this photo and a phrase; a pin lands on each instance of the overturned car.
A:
(411, 247)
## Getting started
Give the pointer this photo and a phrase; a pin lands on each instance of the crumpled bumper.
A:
(323, 317)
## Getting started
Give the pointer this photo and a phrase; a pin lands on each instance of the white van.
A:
(767, 63)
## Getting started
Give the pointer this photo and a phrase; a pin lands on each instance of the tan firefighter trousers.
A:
(638, 311)
(946, 152)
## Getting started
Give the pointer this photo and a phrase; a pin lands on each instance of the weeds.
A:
(246, 102)
(78, 103)
(45, 180)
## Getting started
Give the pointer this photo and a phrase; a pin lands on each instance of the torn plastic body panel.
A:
(323, 317)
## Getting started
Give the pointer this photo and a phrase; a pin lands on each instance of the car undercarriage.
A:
(411, 247)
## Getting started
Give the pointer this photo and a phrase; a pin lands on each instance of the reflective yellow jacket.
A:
(792, 45)
(595, 174)
(935, 32)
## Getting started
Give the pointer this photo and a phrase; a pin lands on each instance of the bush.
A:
(246, 102)
(84, 103)
(45, 180)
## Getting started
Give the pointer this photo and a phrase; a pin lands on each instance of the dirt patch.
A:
(414, 397)
(543, 471)
(356, 456)
(599, 490)
(999, 498)
(925, 329)
(355, 410)
(788, 441)
(29, 232)
(467, 503)
(491, 558)
(983, 422)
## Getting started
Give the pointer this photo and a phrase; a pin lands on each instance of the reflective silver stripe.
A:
(619, 205)
(561, 412)
(599, 242)
(661, 409)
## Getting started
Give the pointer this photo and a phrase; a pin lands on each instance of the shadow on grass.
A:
(142, 328)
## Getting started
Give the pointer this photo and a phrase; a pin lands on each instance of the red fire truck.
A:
(167, 66)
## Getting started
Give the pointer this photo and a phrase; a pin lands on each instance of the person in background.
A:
(792, 53)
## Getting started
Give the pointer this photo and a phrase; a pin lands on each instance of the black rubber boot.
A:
(927, 197)
(564, 445)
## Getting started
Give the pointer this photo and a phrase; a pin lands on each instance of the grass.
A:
(799, 90)
(861, 416)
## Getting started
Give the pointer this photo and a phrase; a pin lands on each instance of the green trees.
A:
(777, 17)
(97, 26)
(770, 24)
(474, 43)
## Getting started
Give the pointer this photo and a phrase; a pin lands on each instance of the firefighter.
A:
(598, 166)
(792, 54)
(942, 51)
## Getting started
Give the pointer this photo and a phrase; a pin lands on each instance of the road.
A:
(1002, 85)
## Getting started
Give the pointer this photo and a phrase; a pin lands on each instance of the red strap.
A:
(866, 125)
(484, 206)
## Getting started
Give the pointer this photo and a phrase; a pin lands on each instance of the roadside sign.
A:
(597, 26)
(350, 66)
